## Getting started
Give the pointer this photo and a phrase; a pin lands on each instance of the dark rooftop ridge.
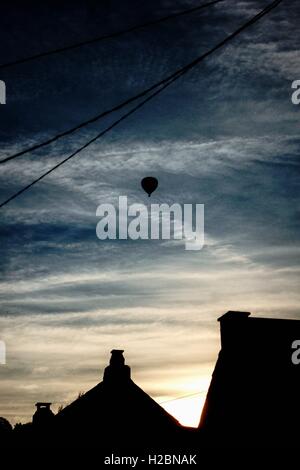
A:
(236, 315)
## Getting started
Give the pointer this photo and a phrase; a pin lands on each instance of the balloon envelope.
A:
(149, 184)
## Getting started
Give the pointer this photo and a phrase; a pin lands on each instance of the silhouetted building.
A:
(254, 395)
(116, 413)
(253, 401)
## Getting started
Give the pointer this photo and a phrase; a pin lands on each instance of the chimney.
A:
(117, 371)
(233, 325)
(43, 415)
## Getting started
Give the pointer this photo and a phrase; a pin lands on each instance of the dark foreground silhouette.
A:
(254, 395)
(253, 402)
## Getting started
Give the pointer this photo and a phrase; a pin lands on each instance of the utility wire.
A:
(184, 396)
(175, 76)
(87, 144)
(108, 36)
(98, 136)
(145, 91)
(94, 118)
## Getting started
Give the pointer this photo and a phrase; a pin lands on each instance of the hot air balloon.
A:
(149, 184)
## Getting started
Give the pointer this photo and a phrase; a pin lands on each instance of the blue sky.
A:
(226, 135)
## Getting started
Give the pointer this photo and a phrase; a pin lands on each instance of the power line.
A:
(108, 36)
(94, 118)
(89, 121)
(184, 396)
(98, 136)
(175, 76)
(145, 91)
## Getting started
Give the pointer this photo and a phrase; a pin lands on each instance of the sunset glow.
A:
(224, 136)
(186, 410)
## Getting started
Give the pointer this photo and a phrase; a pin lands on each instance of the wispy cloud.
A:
(226, 136)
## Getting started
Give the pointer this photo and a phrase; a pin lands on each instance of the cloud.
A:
(226, 135)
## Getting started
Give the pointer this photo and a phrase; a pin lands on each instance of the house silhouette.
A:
(116, 414)
(254, 396)
(253, 401)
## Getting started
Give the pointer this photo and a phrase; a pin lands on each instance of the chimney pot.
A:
(117, 371)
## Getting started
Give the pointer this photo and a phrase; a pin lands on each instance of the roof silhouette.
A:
(117, 412)
(253, 399)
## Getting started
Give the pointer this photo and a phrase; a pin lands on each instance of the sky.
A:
(226, 135)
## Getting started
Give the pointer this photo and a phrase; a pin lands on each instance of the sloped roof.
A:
(116, 410)
(107, 402)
